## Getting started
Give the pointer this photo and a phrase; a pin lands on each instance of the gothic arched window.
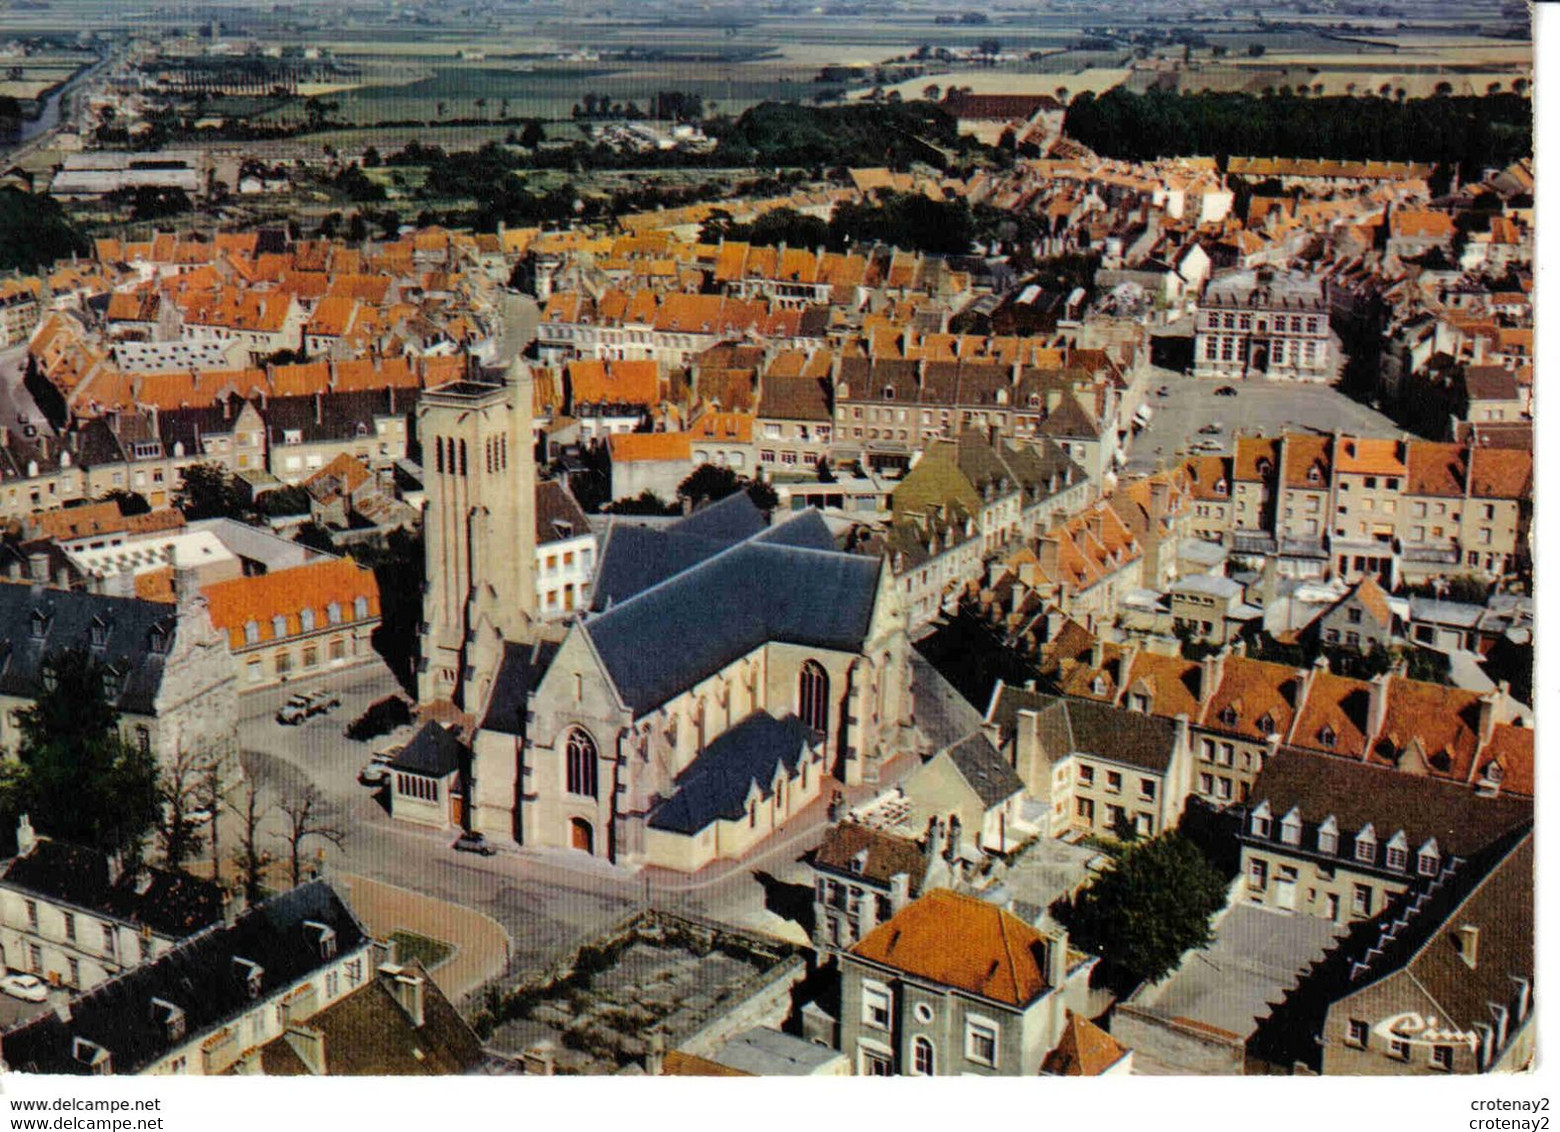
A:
(580, 754)
(812, 696)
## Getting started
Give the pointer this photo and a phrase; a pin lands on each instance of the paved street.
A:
(1259, 406)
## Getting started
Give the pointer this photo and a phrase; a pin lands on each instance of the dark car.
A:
(473, 843)
(1224, 391)
(1162, 391)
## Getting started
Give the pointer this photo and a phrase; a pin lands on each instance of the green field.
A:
(429, 952)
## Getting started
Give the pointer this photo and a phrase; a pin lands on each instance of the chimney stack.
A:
(26, 837)
(408, 989)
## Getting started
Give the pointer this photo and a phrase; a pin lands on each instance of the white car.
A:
(28, 988)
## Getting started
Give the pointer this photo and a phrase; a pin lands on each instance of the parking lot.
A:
(1258, 407)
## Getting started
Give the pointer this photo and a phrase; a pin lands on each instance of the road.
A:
(1258, 406)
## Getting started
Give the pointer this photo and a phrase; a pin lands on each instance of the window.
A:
(877, 1005)
(1359, 1033)
(1085, 809)
(980, 1041)
(251, 633)
(1146, 787)
(73, 978)
(1362, 899)
(812, 696)
(108, 939)
(70, 927)
(1261, 821)
(1398, 1048)
(876, 1064)
(1429, 859)
(1257, 874)
(333, 613)
(580, 753)
(1397, 856)
(32, 914)
(1441, 1058)
(1365, 846)
(278, 627)
(1085, 774)
(922, 1057)
(360, 607)
(1113, 781)
(1327, 836)
(1289, 828)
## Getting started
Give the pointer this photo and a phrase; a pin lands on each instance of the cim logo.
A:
(1421, 1031)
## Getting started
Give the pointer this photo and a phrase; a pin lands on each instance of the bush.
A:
(381, 718)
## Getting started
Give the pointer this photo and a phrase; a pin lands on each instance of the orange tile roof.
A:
(1500, 473)
(679, 1064)
(1302, 452)
(301, 379)
(1084, 1050)
(332, 317)
(1174, 683)
(345, 467)
(962, 942)
(1254, 689)
(1443, 721)
(648, 446)
(1422, 224)
(1511, 749)
(733, 428)
(1374, 599)
(285, 593)
(98, 518)
(1341, 704)
(1375, 457)
(1250, 451)
(617, 383)
(1435, 469)
(1206, 474)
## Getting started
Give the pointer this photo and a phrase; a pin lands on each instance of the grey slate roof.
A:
(169, 903)
(1087, 727)
(520, 670)
(725, 607)
(68, 618)
(435, 751)
(717, 783)
(199, 976)
(985, 770)
(635, 557)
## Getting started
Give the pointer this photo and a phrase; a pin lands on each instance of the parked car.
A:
(1224, 391)
(473, 843)
(1162, 391)
(1209, 429)
(376, 772)
(325, 701)
(295, 710)
(28, 988)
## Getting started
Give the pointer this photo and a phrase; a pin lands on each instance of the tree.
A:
(185, 784)
(77, 777)
(707, 483)
(208, 491)
(130, 502)
(308, 815)
(1256, 50)
(531, 134)
(1148, 908)
(251, 808)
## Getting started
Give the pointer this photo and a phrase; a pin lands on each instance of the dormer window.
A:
(1289, 828)
(306, 619)
(252, 632)
(1229, 716)
(324, 938)
(251, 973)
(1429, 858)
(278, 627)
(1327, 836)
(1141, 702)
(98, 632)
(1397, 852)
(38, 625)
(171, 1018)
(113, 684)
(1327, 737)
(360, 607)
(888, 393)
(99, 1062)
(1265, 724)
(1098, 686)
(1221, 488)
(1262, 821)
(1365, 845)
(159, 639)
(1314, 475)
(1264, 466)
(858, 863)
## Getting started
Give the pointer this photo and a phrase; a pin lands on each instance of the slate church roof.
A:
(717, 783)
(784, 584)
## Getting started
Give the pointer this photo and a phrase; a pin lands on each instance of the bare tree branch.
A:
(309, 814)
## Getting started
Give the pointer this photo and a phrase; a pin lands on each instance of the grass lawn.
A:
(427, 951)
